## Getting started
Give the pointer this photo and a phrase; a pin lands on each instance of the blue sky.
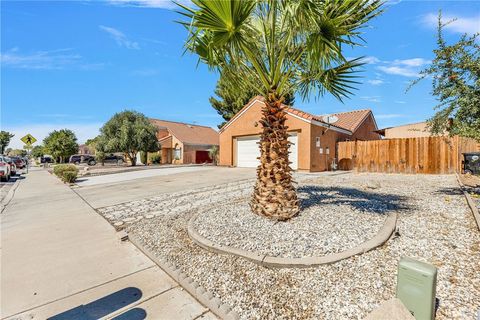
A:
(73, 64)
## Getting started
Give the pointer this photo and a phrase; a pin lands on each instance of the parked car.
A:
(19, 162)
(13, 167)
(114, 159)
(5, 171)
(46, 159)
(83, 158)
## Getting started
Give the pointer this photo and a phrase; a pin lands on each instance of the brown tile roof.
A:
(189, 133)
(351, 120)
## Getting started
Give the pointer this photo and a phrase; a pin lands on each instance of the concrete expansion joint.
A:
(214, 304)
(379, 239)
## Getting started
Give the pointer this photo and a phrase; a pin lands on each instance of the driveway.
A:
(101, 191)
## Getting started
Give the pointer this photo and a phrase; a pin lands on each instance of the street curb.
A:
(9, 195)
(138, 168)
(213, 303)
(380, 238)
(470, 202)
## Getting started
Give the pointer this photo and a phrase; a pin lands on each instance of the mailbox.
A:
(416, 286)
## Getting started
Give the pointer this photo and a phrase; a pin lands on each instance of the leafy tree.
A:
(37, 151)
(5, 138)
(128, 132)
(233, 98)
(92, 144)
(17, 152)
(61, 144)
(455, 74)
(273, 48)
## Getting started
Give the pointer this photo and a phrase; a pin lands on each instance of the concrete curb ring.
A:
(283, 262)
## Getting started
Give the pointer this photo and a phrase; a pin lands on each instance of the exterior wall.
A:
(189, 152)
(366, 130)
(247, 125)
(414, 130)
(321, 161)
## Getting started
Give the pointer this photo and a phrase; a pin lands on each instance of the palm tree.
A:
(276, 47)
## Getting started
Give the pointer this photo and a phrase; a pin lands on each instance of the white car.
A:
(5, 170)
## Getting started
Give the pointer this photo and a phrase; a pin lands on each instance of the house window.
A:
(317, 142)
(327, 150)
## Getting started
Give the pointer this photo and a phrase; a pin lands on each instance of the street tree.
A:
(37, 151)
(5, 138)
(61, 144)
(276, 47)
(18, 152)
(455, 74)
(128, 132)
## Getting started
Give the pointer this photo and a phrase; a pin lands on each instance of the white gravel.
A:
(435, 224)
(333, 218)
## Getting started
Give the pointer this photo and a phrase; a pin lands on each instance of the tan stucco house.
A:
(183, 143)
(313, 140)
(411, 130)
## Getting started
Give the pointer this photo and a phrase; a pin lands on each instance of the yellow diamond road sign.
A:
(28, 139)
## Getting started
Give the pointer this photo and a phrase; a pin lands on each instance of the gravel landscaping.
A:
(332, 219)
(435, 225)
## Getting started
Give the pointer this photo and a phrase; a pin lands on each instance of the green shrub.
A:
(66, 172)
(61, 168)
(69, 176)
(155, 158)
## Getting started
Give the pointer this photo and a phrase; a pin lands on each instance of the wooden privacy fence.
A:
(411, 155)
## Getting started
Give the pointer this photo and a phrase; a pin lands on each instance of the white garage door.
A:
(248, 151)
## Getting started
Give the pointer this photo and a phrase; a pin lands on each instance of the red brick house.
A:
(183, 143)
(313, 140)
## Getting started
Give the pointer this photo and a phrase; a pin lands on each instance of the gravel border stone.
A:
(304, 262)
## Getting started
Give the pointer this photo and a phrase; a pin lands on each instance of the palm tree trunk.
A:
(274, 195)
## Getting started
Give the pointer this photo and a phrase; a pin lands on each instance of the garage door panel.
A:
(248, 151)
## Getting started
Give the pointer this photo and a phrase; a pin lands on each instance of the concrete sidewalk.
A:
(61, 260)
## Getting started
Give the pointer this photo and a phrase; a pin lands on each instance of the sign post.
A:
(28, 139)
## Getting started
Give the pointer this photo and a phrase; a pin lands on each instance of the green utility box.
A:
(416, 286)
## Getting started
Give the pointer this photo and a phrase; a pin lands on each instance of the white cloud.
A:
(415, 62)
(370, 60)
(399, 102)
(45, 60)
(389, 116)
(376, 82)
(120, 38)
(83, 131)
(406, 67)
(461, 24)
(371, 98)
(401, 71)
(161, 4)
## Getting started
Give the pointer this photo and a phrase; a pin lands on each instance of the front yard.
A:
(435, 225)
